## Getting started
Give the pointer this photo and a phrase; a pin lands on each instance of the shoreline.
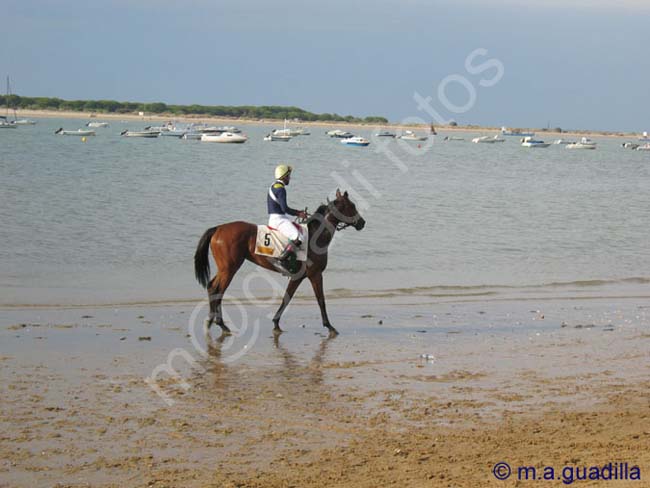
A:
(279, 122)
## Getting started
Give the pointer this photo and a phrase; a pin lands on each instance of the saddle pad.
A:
(271, 242)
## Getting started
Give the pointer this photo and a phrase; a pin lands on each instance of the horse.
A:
(233, 243)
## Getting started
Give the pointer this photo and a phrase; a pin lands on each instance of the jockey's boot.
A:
(291, 248)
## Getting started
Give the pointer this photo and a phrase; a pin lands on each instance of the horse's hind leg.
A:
(213, 289)
(224, 276)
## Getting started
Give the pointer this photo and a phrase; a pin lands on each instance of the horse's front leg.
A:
(317, 285)
(288, 294)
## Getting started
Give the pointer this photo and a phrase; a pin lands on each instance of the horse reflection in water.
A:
(292, 377)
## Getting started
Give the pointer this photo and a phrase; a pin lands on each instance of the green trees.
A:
(245, 111)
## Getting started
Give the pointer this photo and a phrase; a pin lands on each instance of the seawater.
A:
(117, 219)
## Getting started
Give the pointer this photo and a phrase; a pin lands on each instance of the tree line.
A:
(244, 111)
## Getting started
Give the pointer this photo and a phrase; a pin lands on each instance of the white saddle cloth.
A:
(271, 242)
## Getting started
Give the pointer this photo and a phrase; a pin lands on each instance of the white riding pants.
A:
(284, 223)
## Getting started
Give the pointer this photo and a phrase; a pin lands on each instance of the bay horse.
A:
(234, 242)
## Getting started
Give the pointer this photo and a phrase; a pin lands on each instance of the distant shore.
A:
(148, 118)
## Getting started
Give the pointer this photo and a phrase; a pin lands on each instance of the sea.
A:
(113, 220)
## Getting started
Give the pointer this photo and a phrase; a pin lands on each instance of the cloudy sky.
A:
(567, 63)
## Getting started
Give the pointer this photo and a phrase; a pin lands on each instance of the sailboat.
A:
(16, 120)
(4, 119)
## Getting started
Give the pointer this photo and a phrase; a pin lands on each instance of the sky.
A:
(575, 64)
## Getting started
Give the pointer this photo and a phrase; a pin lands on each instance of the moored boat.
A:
(530, 142)
(341, 134)
(78, 132)
(149, 134)
(5, 124)
(97, 125)
(225, 137)
(355, 141)
(645, 147)
(385, 133)
(584, 143)
(409, 135)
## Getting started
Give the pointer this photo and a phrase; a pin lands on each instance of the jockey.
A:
(280, 214)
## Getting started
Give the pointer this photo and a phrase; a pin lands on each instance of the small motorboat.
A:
(385, 133)
(355, 141)
(25, 122)
(645, 147)
(97, 125)
(192, 136)
(78, 132)
(150, 134)
(630, 145)
(225, 137)
(453, 138)
(173, 133)
(487, 139)
(5, 124)
(278, 137)
(584, 143)
(341, 134)
(530, 142)
(644, 138)
(409, 135)
(563, 142)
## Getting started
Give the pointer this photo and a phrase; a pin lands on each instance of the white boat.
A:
(341, 134)
(645, 147)
(645, 138)
(149, 134)
(584, 143)
(97, 125)
(278, 138)
(453, 138)
(192, 136)
(516, 132)
(287, 131)
(5, 124)
(487, 139)
(173, 132)
(630, 145)
(385, 133)
(530, 142)
(78, 132)
(355, 141)
(563, 142)
(227, 137)
(409, 135)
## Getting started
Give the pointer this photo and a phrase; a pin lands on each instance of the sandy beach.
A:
(550, 383)
(162, 118)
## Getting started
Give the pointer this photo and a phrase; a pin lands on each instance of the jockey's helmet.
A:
(282, 170)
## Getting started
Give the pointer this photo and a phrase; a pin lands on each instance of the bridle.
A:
(343, 221)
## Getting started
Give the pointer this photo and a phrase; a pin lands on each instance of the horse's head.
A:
(345, 211)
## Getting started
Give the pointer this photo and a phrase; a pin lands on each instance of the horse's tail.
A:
(201, 258)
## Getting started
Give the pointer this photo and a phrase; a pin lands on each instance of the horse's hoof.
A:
(277, 330)
(225, 330)
(332, 331)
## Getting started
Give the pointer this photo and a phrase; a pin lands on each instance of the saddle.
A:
(271, 242)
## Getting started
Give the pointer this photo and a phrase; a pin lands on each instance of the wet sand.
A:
(548, 383)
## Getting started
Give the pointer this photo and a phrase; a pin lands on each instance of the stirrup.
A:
(291, 248)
